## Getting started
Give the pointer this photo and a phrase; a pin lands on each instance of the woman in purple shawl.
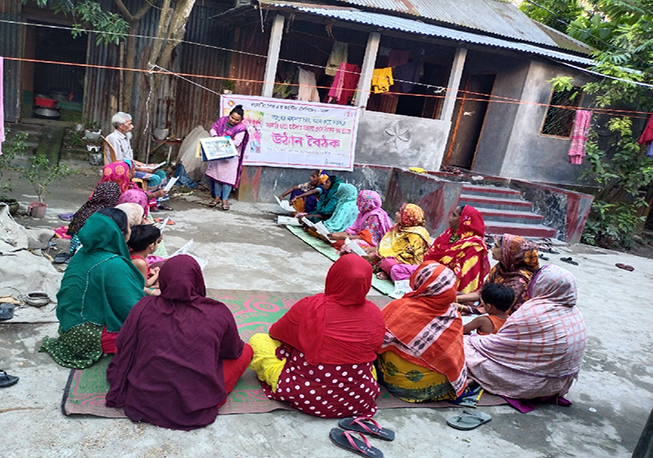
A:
(179, 353)
(225, 173)
(370, 225)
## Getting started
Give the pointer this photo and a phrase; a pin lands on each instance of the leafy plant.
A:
(92, 126)
(41, 173)
(16, 145)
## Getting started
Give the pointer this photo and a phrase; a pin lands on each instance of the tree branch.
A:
(125, 12)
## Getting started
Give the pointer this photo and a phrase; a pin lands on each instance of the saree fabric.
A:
(371, 217)
(328, 200)
(539, 350)
(425, 329)
(228, 170)
(136, 196)
(168, 370)
(118, 172)
(407, 241)
(465, 251)
(329, 342)
(345, 211)
(100, 286)
(519, 262)
(104, 195)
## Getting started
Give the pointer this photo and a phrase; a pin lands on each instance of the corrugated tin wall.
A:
(247, 67)
(11, 38)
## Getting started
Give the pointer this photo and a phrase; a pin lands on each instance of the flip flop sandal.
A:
(367, 426)
(7, 380)
(468, 420)
(627, 267)
(345, 440)
(165, 207)
(66, 216)
(544, 257)
(213, 204)
(225, 207)
(6, 311)
(60, 258)
(569, 260)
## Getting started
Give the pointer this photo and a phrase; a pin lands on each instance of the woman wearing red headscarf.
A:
(179, 353)
(319, 356)
(463, 249)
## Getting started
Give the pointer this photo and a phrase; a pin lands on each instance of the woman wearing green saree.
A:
(98, 290)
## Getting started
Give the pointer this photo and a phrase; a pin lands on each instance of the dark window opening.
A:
(559, 120)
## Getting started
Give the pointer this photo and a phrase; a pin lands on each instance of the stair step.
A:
(494, 202)
(75, 154)
(524, 230)
(491, 191)
(510, 216)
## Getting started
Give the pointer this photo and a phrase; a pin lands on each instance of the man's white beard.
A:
(129, 136)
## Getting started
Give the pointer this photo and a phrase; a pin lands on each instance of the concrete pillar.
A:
(365, 81)
(454, 83)
(276, 34)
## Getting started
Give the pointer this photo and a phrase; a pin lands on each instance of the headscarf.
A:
(118, 172)
(424, 328)
(101, 284)
(339, 326)
(327, 203)
(546, 337)
(346, 210)
(519, 262)
(133, 211)
(465, 252)
(136, 196)
(370, 213)
(174, 345)
(104, 195)
(408, 240)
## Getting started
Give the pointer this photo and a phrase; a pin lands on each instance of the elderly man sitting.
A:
(119, 140)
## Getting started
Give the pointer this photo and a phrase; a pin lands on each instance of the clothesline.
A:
(489, 98)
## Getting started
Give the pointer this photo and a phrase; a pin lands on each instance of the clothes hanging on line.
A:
(579, 136)
(307, 86)
(339, 54)
(382, 80)
(407, 75)
(647, 135)
(344, 84)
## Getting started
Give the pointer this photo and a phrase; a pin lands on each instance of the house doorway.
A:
(469, 121)
(64, 83)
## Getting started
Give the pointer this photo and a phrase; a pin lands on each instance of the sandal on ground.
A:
(6, 311)
(225, 206)
(213, 203)
(7, 380)
(468, 420)
(367, 426)
(569, 260)
(346, 440)
(627, 267)
(165, 207)
(62, 257)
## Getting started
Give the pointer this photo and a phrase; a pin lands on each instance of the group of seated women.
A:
(177, 355)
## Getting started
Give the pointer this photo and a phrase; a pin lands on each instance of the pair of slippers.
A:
(569, 260)
(7, 380)
(214, 204)
(360, 426)
(467, 420)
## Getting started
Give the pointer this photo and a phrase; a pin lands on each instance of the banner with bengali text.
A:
(291, 133)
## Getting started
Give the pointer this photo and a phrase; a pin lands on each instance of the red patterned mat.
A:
(254, 312)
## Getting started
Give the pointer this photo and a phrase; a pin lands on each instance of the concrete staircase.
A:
(505, 211)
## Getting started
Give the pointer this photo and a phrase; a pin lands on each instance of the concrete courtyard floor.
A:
(247, 250)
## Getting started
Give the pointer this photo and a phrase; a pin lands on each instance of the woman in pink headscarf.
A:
(370, 225)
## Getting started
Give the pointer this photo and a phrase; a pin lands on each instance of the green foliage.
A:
(16, 145)
(41, 173)
(110, 27)
(554, 13)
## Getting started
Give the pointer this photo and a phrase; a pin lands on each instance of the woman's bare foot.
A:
(382, 276)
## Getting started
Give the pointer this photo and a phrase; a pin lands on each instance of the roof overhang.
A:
(383, 22)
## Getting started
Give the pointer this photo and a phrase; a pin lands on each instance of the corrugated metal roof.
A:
(384, 21)
(491, 16)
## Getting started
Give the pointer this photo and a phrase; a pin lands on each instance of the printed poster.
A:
(291, 133)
